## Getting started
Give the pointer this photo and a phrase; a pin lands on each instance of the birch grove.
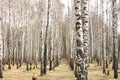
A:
(39, 35)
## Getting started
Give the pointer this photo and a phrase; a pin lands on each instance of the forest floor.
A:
(95, 72)
(62, 72)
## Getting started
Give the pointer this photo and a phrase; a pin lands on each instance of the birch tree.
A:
(1, 49)
(44, 47)
(85, 37)
(79, 69)
(115, 39)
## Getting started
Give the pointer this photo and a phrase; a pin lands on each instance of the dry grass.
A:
(95, 73)
(62, 72)
(19, 74)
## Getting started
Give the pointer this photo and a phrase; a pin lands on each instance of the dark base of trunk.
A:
(98, 63)
(113, 66)
(42, 71)
(104, 71)
(36, 65)
(17, 65)
(31, 66)
(3, 68)
(45, 64)
(45, 69)
(9, 67)
(108, 72)
(115, 74)
(33, 78)
(57, 61)
(1, 75)
(75, 73)
(80, 78)
(72, 63)
(20, 64)
(13, 63)
(50, 65)
(27, 67)
(106, 65)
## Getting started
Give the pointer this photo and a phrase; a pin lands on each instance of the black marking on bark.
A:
(78, 43)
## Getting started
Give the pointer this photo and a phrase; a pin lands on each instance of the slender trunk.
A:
(115, 39)
(1, 49)
(85, 37)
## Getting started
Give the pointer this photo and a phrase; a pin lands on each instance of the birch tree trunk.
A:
(1, 41)
(9, 36)
(104, 49)
(44, 43)
(1, 73)
(1, 49)
(85, 37)
(80, 70)
(115, 39)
